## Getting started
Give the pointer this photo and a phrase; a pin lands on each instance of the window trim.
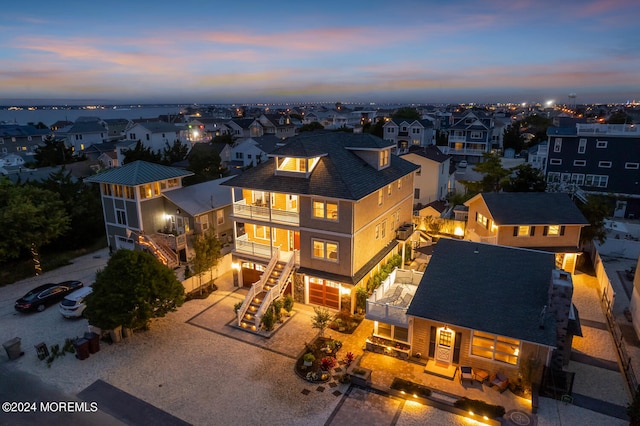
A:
(582, 146)
(632, 166)
(325, 250)
(601, 144)
(579, 163)
(555, 161)
(605, 164)
(493, 347)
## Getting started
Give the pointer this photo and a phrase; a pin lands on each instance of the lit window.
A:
(482, 220)
(263, 232)
(326, 250)
(383, 229)
(318, 249)
(384, 158)
(220, 217)
(325, 210)
(553, 230)
(399, 184)
(389, 190)
(523, 231)
(380, 197)
(493, 347)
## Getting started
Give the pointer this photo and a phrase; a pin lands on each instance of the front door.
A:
(444, 346)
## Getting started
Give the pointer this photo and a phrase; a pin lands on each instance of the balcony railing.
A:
(246, 211)
(390, 301)
(243, 245)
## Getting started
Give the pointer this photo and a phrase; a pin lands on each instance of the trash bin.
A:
(94, 342)
(82, 348)
(13, 348)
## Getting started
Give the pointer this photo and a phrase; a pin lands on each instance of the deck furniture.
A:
(481, 375)
(500, 382)
(466, 373)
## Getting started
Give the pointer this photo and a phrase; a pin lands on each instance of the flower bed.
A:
(323, 359)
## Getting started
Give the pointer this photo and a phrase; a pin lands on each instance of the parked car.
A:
(462, 164)
(47, 294)
(72, 306)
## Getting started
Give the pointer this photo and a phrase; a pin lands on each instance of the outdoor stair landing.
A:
(445, 372)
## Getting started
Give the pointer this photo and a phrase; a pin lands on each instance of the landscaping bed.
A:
(345, 322)
(321, 355)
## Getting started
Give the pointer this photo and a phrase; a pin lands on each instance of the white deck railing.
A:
(385, 306)
(275, 291)
(243, 245)
(243, 210)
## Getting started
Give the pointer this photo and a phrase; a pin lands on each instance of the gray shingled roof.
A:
(202, 197)
(500, 290)
(339, 174)
(430, 152)
(159, 127)
(138, 173)
(533, 208)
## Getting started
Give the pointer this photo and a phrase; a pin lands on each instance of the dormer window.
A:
(383, 158)
(294, 166)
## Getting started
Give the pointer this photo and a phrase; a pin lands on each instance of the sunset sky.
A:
(350, 51)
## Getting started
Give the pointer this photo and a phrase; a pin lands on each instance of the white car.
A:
(462, 164)
(72, 306)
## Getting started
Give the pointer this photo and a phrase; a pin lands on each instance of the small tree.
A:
(321, 319)
(132, 289)
(361, 298)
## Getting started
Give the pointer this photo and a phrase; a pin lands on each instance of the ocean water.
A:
(49, 116)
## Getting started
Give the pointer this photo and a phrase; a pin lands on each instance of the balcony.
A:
(244, 246)
(390, 301)
(242, 210)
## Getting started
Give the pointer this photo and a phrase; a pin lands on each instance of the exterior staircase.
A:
(163, 253)
(270, 287)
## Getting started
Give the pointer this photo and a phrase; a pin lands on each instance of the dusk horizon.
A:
(407, 52)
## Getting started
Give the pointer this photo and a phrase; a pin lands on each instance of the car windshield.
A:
(67, 302)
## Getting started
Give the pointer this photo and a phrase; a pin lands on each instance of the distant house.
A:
(249, 152)
(470, 136)
(155, 135)
(406, 133)
(22, 140)
(241, 128)
(538, 220)
(277, 125)
(84, 132)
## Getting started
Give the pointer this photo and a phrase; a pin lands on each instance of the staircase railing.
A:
(258, 286)
(164, 255)
(275, 291)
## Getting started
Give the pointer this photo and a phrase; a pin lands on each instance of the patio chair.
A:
(406, 299)
(466, 373)
(500, 381)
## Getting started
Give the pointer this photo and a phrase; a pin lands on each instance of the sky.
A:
(422, 51)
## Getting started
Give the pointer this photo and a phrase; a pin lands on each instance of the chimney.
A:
(559, 307)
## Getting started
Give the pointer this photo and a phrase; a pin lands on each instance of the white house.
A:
(433, 181)
(156, 134)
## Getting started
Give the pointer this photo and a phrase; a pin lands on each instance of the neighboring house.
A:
(137, 213)
(249, 152)
(84, 132)
(323, 213)
(22, 140)
(538, 156)
(118, 128)
(434, 180)
(241, 128)
(470, 136)
(537, 220)
(277, 125)
(156, 135)
(406, 133)
(598, 159)
(435, 209)
(108, 160)
(494, 308)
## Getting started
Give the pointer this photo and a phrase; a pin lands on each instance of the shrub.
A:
(309, 357)
(349, 357)
(480, 407)
(237, 307)
(277, 309)
(361, 298)
(288, 303)
(269, 319)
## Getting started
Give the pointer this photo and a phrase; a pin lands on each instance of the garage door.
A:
(323, 294)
